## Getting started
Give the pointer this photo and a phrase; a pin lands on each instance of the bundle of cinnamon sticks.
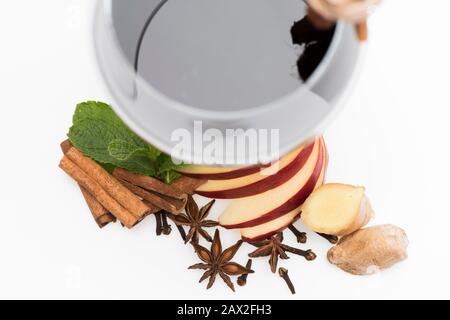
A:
(123, 195)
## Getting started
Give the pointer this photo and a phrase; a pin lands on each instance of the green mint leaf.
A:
(123, 150)
(169, 176)
(99, 133)
(153, 153)
(99, 111)
(165, 163)
(167, 169)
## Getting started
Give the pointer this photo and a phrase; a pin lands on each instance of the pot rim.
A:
(160, 140)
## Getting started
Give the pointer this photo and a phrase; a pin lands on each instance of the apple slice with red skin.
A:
(220, 173)
(260, 182)
(261, 208)
(268, 229)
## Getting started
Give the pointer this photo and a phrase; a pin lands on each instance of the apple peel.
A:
(259, 182)
(268, 229)
(267, 206)
(220, 173)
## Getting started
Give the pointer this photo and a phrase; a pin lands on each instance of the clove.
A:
(242, 280)
(301, 236)
(158, 223)
(284, 274)
(179, 227)
(331, 239)
(166, 228)
(307, 254)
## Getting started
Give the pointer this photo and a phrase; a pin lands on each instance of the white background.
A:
(392, 138)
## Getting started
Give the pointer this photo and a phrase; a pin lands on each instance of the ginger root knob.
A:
(371, 249)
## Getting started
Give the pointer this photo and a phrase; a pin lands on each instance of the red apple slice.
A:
(323, 172)
(268, 229)
(255, 210)
(267, 179)
(220, 173)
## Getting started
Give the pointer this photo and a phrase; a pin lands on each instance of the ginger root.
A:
(369, 250)
(337, 209)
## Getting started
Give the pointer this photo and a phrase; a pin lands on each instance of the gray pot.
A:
(177, 83)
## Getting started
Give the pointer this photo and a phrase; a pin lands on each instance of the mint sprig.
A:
(100, 134)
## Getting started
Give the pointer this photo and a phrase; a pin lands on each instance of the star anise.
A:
(195, 218)
(217, 262)
(275, 248)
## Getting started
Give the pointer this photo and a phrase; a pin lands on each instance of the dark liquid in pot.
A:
(228, 54)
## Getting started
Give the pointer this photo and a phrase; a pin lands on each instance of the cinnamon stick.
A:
(149, 183)
(96, 190)
(171, 205)
(177, 204)
(153, 208)
(111, 185)
(362, 31)
(101, 215)
(187, 184)
(66, 145)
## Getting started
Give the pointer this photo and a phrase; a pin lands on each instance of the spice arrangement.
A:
(100, 134)
(124, 179)
(110, 198)
(99, 149)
